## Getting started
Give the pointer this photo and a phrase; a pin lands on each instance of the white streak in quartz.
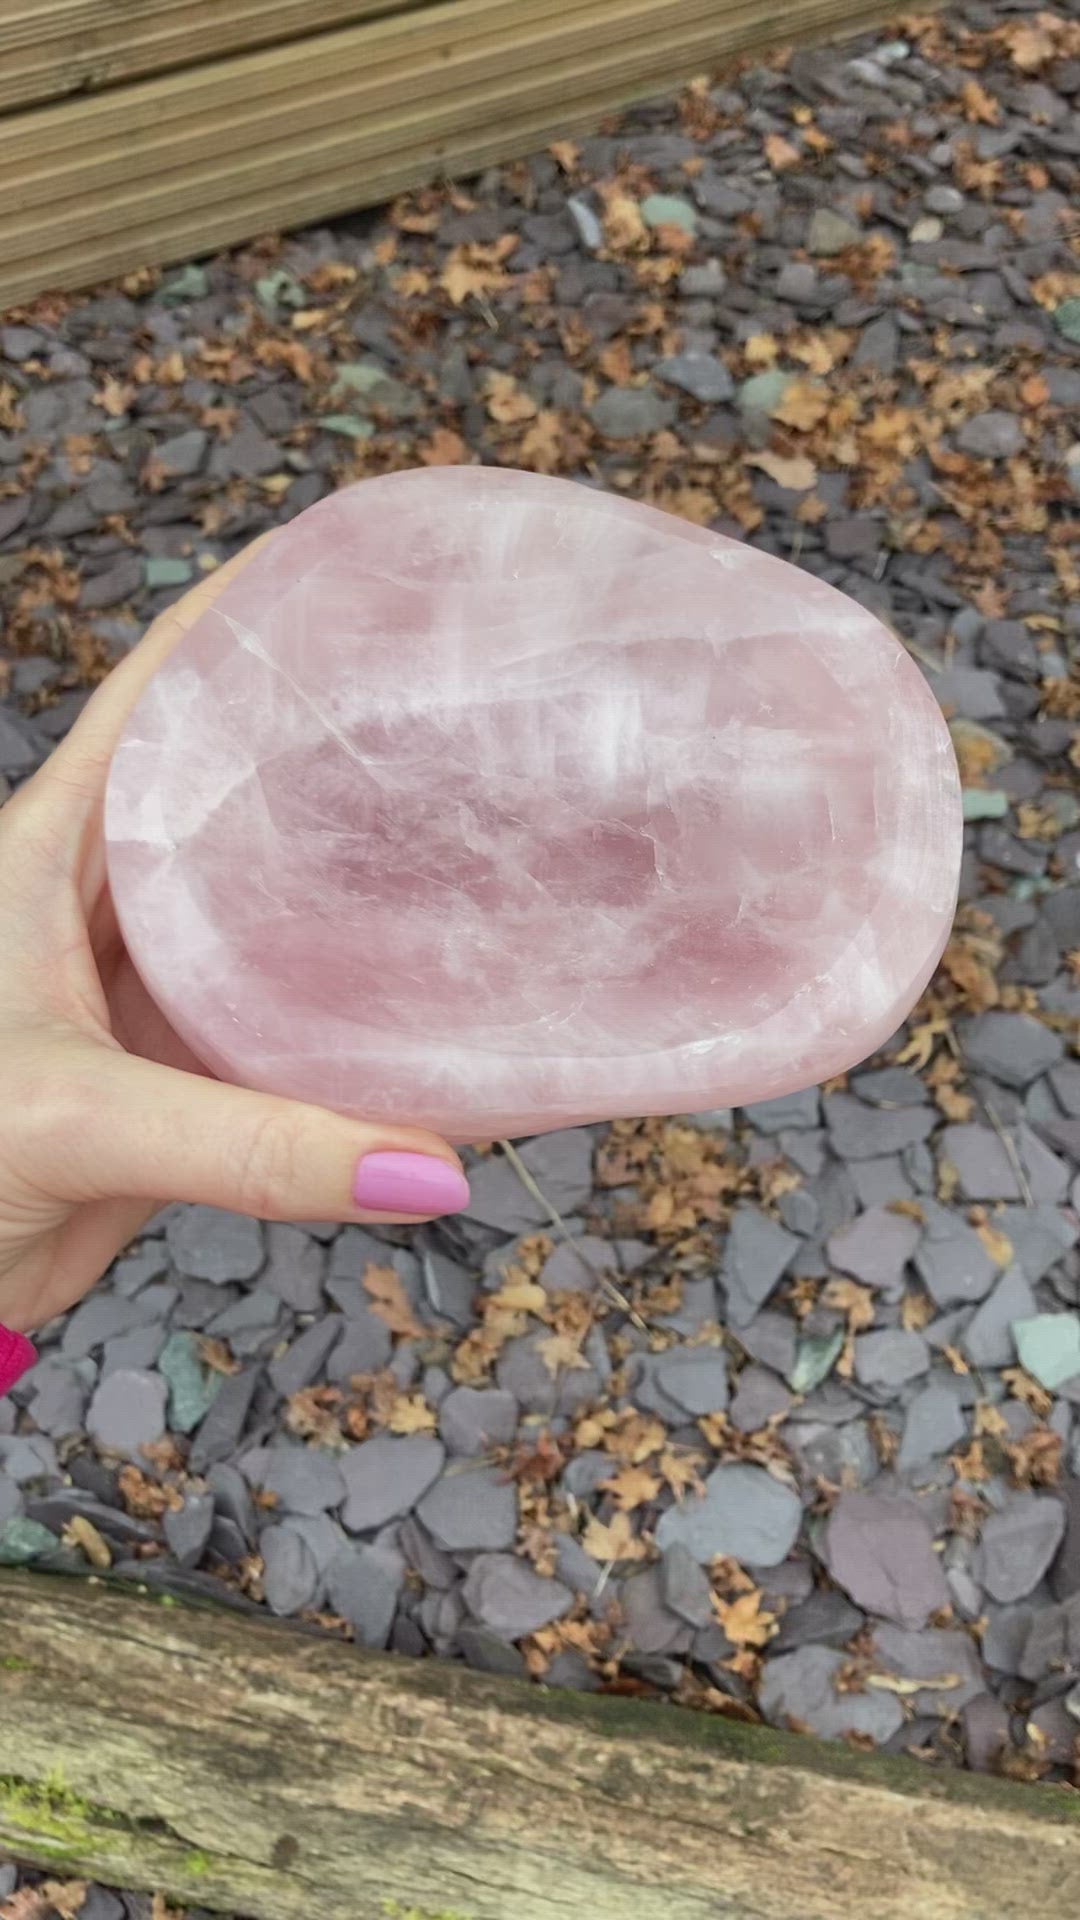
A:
(501, 804)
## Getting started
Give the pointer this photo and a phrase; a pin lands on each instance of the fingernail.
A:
(409, 1183)
(17, 1357)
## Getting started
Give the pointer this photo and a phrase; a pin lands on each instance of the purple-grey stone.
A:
(881, 1552)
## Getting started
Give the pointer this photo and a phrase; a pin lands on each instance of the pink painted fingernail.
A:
(409, 1183)
(17, 1357)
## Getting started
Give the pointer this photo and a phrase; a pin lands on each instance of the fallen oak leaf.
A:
(680, 1470)
(616, 1541)
(560, 1350)
(65, 1899)
(794, 471)
(390, 1302)
(780, 153)
(541, 443)
(520, 1296)
(745, 1621)
(114, 397)
(410, 1413)
(802, 405)
(445, 449)
(81, 1532)
(506, 403)
(460, 280)
(624, 228)
(632, 1487)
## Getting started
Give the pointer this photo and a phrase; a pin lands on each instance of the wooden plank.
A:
(210, 99)
(164, 213)
(95, 181)
(49, 48)
(254, 1768)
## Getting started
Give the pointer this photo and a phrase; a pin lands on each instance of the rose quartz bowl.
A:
(494, 804)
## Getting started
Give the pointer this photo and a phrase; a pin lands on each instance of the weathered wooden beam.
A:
(253, 1768)
(209, 155)
(49, 48)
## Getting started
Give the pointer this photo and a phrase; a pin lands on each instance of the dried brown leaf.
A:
(788, 470)
(632, 1487)
(81, 1532)
(616, 1541)
(802, 406)
(390, 1301)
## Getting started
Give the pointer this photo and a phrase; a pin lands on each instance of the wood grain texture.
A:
(49, 48)
(187, 162)
(250, 1767)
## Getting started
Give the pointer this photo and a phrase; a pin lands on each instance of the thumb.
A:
(143, 1131)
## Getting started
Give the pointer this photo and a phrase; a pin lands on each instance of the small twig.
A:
(604, 1280)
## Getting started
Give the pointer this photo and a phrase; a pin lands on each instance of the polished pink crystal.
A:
(493, 803)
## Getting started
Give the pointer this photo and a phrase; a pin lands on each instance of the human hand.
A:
(104, 1112)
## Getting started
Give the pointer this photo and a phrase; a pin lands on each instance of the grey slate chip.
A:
(800, 1689)
(685, 1588)
(385, 1477)
(933, 1425)
(294, 1268)
(758, 1253)
(744, 1513)
(305, 1480)
(510, 1597)
(473, 1508)
(695, 1378)
(888, 1358)
(473, 1420)
(1018, 1545)
(290, 1573)
(859, 1132)
(187, 1528)
(364, 1585)
(210, 1244)
(876, 1248)
(936, 1655)
(951, 1260)
(127, 1413)
(1014, 1048)
(988, 1340)
(790, 1110)
(302, 1363)
(219, 1434)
